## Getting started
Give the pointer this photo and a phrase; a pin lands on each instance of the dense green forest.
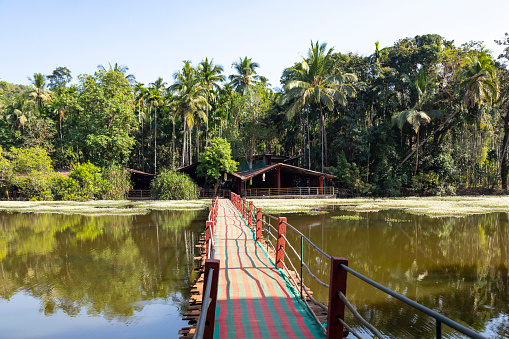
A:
(423, 116)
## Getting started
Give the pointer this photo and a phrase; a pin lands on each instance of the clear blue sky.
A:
(153, 37)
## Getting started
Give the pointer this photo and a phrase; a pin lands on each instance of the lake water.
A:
(69, 276)
(455, 266)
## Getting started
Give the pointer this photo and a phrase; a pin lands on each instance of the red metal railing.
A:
(337, 279)
(206, 321)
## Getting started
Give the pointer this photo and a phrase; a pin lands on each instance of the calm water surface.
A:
(69, 276)
(456, 266)
(128, 276)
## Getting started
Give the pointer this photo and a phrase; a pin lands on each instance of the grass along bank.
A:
(457, 206)
(101, 207)
(432, 206)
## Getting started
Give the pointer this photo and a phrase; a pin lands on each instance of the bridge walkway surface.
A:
(255, 300)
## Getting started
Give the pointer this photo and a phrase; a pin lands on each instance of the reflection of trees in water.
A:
(108, 265)
(457, 266)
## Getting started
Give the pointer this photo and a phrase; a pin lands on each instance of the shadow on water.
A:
(114, 268)
(456, 266)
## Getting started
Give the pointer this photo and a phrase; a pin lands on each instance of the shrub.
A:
(26, 160)
(89, 179)
(35, 186)
(33, 173)
(65, 188)
(116, 183)
(174, 186)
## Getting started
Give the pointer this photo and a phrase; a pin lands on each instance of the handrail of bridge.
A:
(338, 276)
(206, 321)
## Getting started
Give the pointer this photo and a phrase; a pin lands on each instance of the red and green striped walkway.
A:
(254, 299)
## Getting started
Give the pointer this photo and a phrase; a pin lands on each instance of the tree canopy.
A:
(420, 116)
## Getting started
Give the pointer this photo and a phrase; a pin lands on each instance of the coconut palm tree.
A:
(190, 102)
(141, 94)
(479, 81)
(210, 78)
(246, 75)
(122, 69)
(314, 81)
(39, 91)
(424, 85)
(19, 112)
(156, 93)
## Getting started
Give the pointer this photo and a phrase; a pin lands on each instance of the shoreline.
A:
(454, 206)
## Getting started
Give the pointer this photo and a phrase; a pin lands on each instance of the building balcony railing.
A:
(290, 191)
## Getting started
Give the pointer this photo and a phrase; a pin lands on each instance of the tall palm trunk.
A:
(504, 171)
(324, 137)
(155, 140)
(184, 145)
(417, 154)
(207, 127)
(190, 159)
(198, 139)
(173, 146)
(150, 127)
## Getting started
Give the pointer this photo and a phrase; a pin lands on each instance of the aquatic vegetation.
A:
(347, 217)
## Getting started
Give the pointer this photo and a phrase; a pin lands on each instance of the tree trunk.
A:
(426, 140)
(324, 137)
(417, 155)
(173, 147)
(155, 140)
(184, 145)
(207, 127)
(190, 159)
(198, 140)
(504, 171)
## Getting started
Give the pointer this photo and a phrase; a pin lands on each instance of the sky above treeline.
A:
(152, 38)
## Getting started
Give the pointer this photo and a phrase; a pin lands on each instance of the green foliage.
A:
(171, 185)
(216, 160)
(116, 183)
(104, 104)
(349, 176)
(35, 186)
(89, 180)
(28, 160)
(66, 188)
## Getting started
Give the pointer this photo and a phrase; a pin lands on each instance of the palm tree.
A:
(39, 93)
(156, 91)
(379, 56)
(190, 101)
(246, 75)
(424, 85)
(479, 81)
(141, 93)
(210, 78)
(313, 81)
(19, 112)
(120, 68)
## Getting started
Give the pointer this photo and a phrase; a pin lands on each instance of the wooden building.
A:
(271, 176)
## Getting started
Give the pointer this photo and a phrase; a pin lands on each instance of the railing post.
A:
(336, 306)
(208, 234)
(250, 215)
(211, 312)
(244, 208)
(258, 224)
(280, 244)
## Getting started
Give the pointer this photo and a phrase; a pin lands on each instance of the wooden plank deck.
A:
(254, 298)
